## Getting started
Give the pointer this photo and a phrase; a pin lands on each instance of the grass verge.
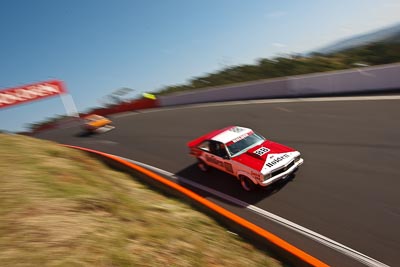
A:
(60, 207)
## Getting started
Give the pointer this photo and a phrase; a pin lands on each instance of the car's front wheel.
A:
(246, 183)
(202, 165)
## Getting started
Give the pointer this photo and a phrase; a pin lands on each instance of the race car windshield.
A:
(245, 144)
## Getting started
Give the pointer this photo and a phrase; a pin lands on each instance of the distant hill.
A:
(389, 34)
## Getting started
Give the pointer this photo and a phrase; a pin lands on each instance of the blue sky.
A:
(98, 46)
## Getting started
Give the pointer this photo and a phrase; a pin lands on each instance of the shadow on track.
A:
(84, 134)
(228, 184)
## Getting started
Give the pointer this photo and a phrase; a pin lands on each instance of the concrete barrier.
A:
(363, 80)
(254, 90)
(354, 81)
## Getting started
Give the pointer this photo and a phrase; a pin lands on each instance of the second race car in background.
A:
(246, 155)
(95, 123)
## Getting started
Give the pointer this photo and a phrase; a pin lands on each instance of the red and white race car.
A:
(246, 155)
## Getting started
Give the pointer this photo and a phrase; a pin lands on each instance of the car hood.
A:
(267, 156)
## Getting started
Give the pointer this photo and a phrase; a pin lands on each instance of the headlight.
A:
(297, 158)
(267, 176)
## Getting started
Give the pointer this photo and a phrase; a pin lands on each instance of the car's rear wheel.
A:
(203, 166)
(246, 183)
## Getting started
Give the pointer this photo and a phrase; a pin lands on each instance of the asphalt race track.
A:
(347, 189)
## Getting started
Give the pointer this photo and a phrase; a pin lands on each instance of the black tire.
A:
(203, 166)
(247, 184)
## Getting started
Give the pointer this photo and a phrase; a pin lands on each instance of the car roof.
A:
(224, 135)
(229, 134)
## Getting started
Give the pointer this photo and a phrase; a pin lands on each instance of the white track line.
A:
(368, 261)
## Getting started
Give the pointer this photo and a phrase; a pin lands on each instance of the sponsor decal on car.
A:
(276, 160)
(237, 139)
(261, 151)
(214, 160)
(236, 129)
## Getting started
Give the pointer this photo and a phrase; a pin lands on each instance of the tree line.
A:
(370, 54)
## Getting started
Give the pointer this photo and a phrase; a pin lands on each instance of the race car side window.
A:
(218, 149)
(205, 146)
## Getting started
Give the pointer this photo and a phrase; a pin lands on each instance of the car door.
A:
(218, 157)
